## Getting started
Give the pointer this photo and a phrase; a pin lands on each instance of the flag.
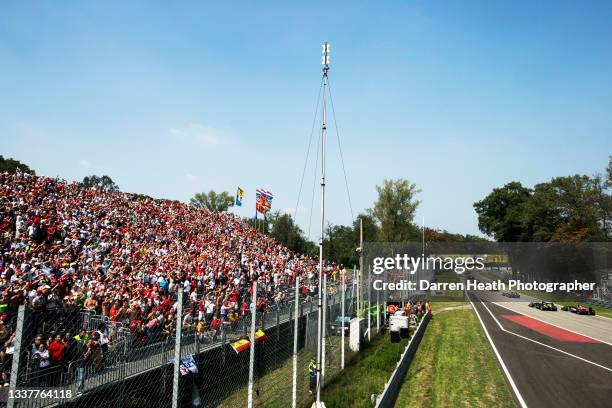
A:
(263, 200)
(244, 344)
(239, 196)
(269, 198)
(240, 345)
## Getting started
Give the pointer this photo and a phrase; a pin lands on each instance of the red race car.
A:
(579, 309)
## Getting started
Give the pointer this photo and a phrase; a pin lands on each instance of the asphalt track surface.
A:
(549, 359)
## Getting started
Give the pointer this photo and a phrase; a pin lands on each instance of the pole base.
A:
(319, 404)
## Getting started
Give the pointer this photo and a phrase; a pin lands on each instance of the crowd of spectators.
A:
(66, 248)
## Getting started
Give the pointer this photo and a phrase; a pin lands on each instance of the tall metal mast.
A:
(321, 272)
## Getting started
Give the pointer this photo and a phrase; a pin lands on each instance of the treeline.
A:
(11, 166)
(562, 219)
(391, 219)
(102, 182)
(574, 208)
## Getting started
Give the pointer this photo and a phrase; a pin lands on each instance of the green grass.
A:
(454, 367)
(494, 275)
(367, 375)
(275, 387)
(447, 295)
(437, 306)
(447, 276)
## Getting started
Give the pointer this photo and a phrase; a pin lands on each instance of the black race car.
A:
(579, 309)
(546, 306)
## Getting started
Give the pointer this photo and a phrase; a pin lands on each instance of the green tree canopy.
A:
(11, 166)
(104, 183)
(212, 201)
(568, 209)
(371, 231)
(340, 245)
(394, 210)
(285, 231)
(565, 209)
(608, 182)
(500, 213)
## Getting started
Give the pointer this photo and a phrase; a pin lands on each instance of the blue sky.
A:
(174, 98)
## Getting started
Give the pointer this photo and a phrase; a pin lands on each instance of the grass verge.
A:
(454, 367)
(367, 374)
(274, 389)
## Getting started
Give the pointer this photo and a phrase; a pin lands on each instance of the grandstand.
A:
(98, 273)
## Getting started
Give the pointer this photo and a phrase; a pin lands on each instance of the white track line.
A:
(518, 395)
(545, 345)
(552, 324)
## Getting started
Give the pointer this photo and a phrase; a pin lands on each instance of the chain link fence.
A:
(87, 360)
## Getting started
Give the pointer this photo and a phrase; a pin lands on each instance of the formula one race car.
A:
(511, 294)
(579, 309)
(546, 306)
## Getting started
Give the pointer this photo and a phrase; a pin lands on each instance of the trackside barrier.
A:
(389, 394)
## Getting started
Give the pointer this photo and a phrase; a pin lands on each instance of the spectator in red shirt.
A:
(215, 323)
(56, 351)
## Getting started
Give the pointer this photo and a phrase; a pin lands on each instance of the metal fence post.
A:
(223, 341)
(306, 337)
(163, 353)
(252, 340)
(295, 341)
(277, 324)
(323, 332)
(177, 350)
(369, 306)
(16, 355)
(377, 312)
(196, 339)
(342, 289)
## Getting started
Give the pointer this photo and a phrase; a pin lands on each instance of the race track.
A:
(597, 327)
(550, 359)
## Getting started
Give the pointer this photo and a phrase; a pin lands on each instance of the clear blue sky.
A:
(172, 98)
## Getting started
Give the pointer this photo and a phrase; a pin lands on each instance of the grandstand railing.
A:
(122, 360)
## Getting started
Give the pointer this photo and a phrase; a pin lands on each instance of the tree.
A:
(12, 165)
(500, 213)
(394, 210)
(340, 245)
(104, 183)
(439, 235)
(608, 182)
(286, 232)
(259, 223)
(212, 201)
(371, 231)
(568, 209)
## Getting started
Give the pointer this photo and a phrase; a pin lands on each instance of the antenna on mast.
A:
(320, 316)
(325, 57)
